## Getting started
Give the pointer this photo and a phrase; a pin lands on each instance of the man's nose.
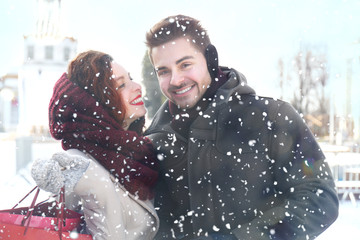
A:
(176, 79)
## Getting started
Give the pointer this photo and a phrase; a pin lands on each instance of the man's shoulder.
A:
(245, 104)
(256, 100)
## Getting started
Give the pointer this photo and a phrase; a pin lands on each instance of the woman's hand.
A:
(60, 170)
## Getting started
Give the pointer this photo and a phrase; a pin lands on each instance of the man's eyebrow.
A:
(159, 68)
(183, 58)
(177, 62)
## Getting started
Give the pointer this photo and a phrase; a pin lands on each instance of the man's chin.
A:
(184, 104)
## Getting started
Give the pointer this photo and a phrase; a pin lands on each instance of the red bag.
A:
(46, 220)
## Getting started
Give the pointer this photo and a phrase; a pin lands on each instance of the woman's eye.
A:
(121, 86)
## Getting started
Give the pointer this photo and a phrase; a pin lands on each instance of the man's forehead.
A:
(174, 43)
(173, 51)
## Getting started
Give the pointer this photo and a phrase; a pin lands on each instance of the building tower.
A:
(46, 56)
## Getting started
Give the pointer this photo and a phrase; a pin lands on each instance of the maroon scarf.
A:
(80, 122)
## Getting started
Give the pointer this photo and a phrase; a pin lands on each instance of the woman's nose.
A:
(136, 86)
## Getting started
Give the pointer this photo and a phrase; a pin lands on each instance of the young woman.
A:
(98, 114)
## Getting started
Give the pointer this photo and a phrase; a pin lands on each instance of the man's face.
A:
(182, 72)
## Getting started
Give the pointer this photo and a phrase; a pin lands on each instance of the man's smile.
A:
(183, 90)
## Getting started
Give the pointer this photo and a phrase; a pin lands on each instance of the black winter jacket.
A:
(250, 168)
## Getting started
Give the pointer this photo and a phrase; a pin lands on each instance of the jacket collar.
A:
(204, 126)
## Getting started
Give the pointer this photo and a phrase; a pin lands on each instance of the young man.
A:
(234, 165)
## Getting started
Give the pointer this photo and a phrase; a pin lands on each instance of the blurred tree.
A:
(153, 97)
(281, 77)
(309, 76)
(312, 79)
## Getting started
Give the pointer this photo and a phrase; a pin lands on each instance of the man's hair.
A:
(92, 71)
(174, 27)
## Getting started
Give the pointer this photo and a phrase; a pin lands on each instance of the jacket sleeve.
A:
(302, 178)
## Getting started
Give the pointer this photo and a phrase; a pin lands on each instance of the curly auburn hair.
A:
(92, 71)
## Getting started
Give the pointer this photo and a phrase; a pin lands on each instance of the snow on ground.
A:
(347, 226)
(14, 185)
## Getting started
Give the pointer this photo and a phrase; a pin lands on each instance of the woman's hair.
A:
(174, 27)
(92, 71)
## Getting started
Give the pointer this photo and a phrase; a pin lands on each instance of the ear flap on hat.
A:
(212, 60)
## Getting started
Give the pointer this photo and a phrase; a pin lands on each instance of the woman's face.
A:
(130, 93)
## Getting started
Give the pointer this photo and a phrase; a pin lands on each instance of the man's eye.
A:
(162, 72)
(185, 65)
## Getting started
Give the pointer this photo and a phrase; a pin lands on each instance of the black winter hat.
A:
(212, 60)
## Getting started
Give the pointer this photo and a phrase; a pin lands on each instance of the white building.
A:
(46, 56)
(9, 102)
(345, 98)
(352, 108)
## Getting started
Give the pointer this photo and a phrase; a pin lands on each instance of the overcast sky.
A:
(250, 35)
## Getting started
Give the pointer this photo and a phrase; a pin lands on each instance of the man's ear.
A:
(212, 60)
